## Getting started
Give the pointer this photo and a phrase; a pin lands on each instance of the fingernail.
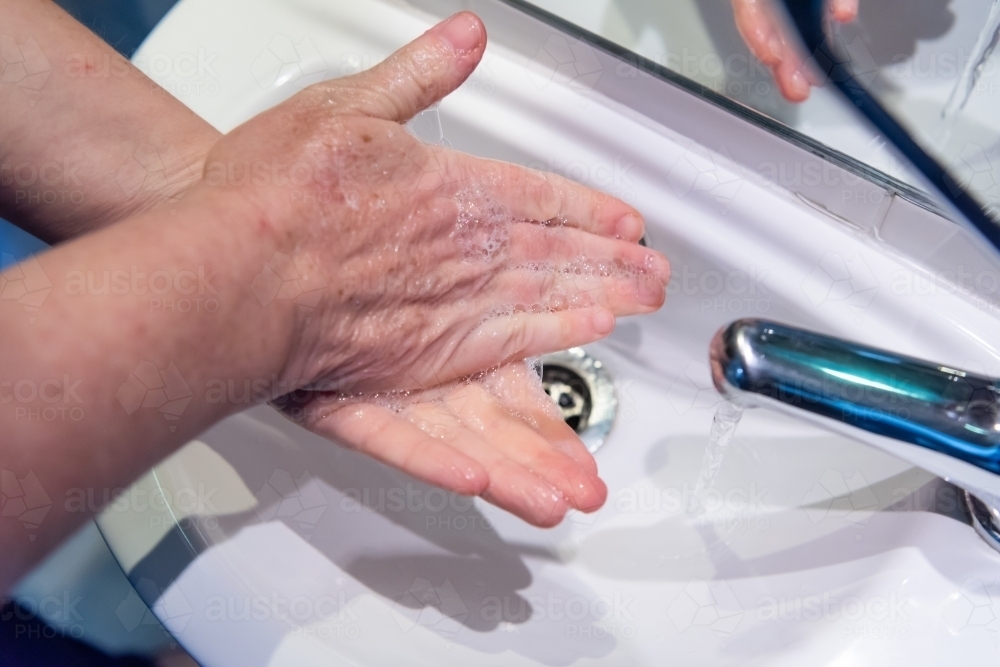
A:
(589, 494)
(629, 228)
(550, 506)
(775, 46)
(651, 291)
(658, 265)
(844, 10)
(603, 322)
(462, 31)
(800, 84)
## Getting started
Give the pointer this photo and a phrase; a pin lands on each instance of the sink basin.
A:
(262, 544)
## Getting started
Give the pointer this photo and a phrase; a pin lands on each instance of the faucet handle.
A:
(948, 418)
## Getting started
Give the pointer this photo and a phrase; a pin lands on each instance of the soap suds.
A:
(483, 231)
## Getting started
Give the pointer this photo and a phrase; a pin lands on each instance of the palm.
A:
(497, 435)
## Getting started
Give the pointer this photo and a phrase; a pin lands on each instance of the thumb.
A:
(419, 74)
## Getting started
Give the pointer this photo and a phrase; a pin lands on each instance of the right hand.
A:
(427, 266)
(763, 32)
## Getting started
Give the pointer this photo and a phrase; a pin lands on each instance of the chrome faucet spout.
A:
(942, 419)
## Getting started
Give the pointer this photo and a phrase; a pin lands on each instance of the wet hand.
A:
(764, 33)
(418, 268)
(496, 435)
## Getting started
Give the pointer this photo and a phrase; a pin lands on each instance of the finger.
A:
(759, 30)
(535, 243)
(417, 75)
(511, 485)
(387, 437)
(844, 11)
(792, 77)
(548, 422)
(528, 194)
(505, 338)
(520, 393)
(539, 289)
(560, 268)
(512, 438)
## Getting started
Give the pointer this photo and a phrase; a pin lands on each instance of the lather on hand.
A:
(434, 274)
(457, 264)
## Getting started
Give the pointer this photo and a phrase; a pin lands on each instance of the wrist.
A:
(150, 178)
(255, 290)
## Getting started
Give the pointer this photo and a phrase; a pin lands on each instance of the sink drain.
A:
(985, 519)
(583, 391)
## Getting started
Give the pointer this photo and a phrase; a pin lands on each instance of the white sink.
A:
(275, 547)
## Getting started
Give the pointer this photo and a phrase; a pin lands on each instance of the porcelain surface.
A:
(275, 547)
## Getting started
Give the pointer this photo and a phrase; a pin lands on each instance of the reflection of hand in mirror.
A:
(763, 32)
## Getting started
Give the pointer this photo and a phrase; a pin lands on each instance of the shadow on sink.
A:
(415, 546)
(422, 550)
(779, 505)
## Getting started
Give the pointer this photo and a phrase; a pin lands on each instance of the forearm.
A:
(85, 138)
(122, 361)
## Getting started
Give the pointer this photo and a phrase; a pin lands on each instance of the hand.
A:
(764, 34)
(422, 267)
(86, 140)
(496, 435)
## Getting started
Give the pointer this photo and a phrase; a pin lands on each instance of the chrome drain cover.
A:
(582, 388)
(985, 519)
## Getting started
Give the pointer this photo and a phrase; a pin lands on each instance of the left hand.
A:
(444, 270)
(763, 32)
(500, 422)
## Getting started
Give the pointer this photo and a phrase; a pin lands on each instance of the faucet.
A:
(942, 419)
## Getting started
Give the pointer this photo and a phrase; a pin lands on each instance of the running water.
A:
(724, 424)
(984, 46)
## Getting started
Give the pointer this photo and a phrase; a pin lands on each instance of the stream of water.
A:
(982, 49)
(724, 423)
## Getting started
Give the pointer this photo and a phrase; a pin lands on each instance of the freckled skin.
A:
(382, 292)
(444, 265)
